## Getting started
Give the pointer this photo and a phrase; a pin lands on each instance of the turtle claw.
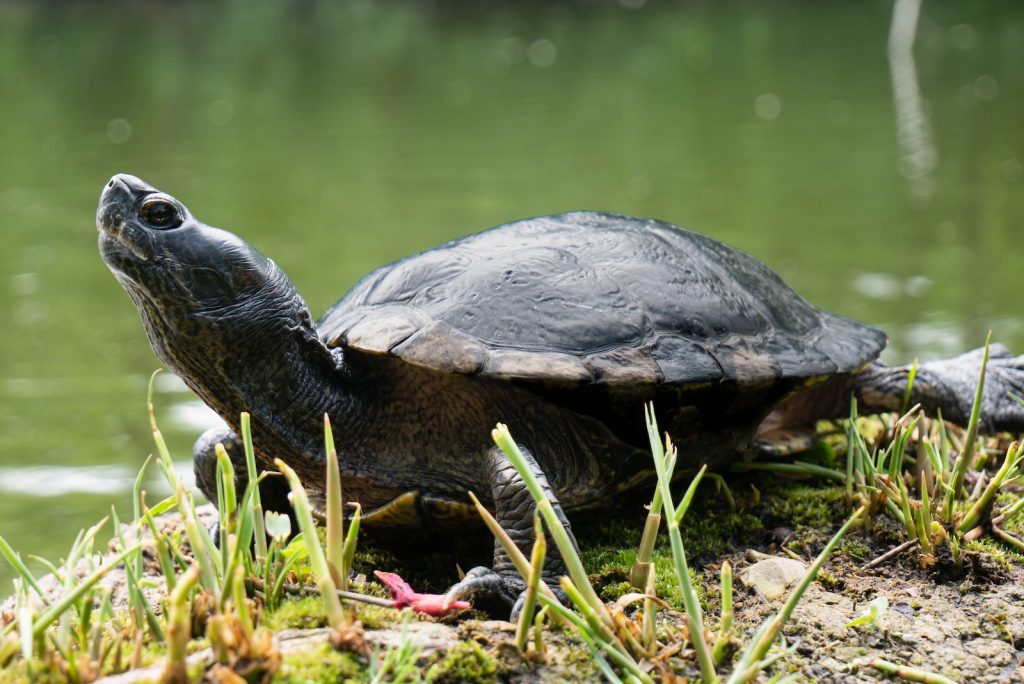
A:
(486, 586)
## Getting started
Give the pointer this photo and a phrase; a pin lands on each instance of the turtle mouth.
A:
(119, 235)
(112, 220)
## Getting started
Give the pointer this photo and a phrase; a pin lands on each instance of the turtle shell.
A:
(600, 298)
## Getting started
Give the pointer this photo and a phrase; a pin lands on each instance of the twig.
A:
(350, 595)
(890, 553)
(910, 674)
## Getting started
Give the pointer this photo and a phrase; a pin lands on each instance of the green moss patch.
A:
(321, 665)
(465, 663)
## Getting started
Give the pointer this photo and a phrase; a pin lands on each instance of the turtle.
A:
(561, 326)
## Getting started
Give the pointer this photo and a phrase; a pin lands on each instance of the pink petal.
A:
(436, 605)
(400, 589)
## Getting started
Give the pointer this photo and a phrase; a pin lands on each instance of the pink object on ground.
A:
(435, 605)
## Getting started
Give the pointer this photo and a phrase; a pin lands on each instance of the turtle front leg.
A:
(514, 510)
(273, 489)
(949, 385)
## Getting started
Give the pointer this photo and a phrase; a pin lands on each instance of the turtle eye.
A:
(160, 213)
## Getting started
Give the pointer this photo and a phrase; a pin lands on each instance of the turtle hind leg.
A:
(791, 427)
(946, 385)
(786, 440)
(949, 386)
(514, 510)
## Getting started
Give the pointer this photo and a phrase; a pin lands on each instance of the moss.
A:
(52, 668)
(854, 548)
(20, 673)
(709, 533)
(994, 552)
(308, 613)
(300, 613)
(466, 662)
(195, 672)
(829, 581)
(377, 617)
(804, 506)
(321, 665)
(572, 662)
(709, 530)
(612, 581)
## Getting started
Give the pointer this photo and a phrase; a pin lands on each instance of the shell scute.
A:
(527, 365)
(626, 366)
(684, 362)
(443, 347)
(384, 328)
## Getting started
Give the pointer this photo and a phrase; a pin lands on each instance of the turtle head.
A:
(155, 246)
(203, 293)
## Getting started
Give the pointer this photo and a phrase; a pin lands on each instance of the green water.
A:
(339, 136)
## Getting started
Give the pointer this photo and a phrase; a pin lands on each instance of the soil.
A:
(967, 631)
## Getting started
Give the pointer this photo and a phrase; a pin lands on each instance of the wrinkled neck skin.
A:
(259, 354)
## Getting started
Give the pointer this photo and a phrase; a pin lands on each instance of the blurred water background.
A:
(883, 179)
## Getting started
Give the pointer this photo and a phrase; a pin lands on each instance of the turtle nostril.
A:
(110, 184)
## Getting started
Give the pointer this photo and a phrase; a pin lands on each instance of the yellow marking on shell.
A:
(399, 512)
(876, 399)
(642, 478)
(446, 512)
(413, 509)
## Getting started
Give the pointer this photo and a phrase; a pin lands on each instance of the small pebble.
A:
(772, 577)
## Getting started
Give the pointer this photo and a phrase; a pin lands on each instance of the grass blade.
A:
(335, 514)
(254, 475)
(910, 674)
(694, 614)
(725, 624)
(57, 608)
(179, 627)
(956, 482)
(14, 560)
(537, 556)
(303, 512)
